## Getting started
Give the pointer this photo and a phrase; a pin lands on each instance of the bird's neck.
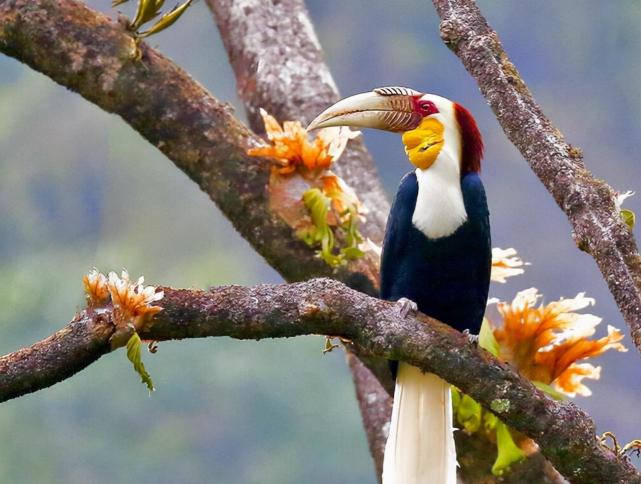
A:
(440, 209)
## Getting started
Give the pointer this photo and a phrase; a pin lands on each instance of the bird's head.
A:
(430, 125)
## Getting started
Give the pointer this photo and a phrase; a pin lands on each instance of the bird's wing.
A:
(478, 215)
(399, 224)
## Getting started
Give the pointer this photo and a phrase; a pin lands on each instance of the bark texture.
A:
(476, 455)
(375, 405)
(324, 306)
(279, 66)
(87, 53)
(589, 203)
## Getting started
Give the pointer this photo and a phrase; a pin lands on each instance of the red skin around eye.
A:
(424, 108)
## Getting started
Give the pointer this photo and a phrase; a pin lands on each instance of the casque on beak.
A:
(386, 108)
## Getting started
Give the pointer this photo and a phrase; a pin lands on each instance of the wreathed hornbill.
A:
(436, 257)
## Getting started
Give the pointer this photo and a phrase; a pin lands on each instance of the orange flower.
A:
(305, 193)
(290, 146)
(343, 198)
(95, 285)
(132, 300)
(544, 343)
(505, 263)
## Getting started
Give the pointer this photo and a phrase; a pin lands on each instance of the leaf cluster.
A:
(148, 10)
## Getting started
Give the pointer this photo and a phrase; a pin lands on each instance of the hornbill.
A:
(436, 258)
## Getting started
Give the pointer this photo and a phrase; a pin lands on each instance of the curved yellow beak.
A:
(389, 109)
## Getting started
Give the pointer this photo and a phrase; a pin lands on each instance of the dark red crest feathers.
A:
(472, 143)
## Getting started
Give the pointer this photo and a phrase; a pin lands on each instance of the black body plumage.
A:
(448, 278)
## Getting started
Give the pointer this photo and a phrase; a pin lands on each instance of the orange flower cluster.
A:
(545, 342)
(132, 301)
(322, 209)
(290, 146)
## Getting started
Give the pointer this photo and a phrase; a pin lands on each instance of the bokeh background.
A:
(79, 188)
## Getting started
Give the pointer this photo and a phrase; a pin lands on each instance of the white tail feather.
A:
(420, 447)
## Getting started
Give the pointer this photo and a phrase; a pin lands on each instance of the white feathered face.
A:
(429, 123)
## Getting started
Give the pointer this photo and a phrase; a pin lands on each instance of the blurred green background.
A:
(79, 188)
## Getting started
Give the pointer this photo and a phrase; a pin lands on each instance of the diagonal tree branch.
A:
(281, 69)
(375, 405)
(589, 203)
(82, 50)
(324, 306)
(87, 53)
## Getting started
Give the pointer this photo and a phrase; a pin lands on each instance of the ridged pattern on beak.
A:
(399, 120)
(386, 108)
(396, 91)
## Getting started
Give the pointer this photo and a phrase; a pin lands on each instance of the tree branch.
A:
(278, 64)
(84, 51)
(323, 306)
(589, 203)
(375, 405)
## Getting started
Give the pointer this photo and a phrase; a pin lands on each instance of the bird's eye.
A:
(427, 107)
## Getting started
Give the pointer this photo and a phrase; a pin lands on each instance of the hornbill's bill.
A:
(436, 254)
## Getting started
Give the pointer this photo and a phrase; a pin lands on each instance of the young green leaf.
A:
(318, 205)
(469, 413)
(353, 236)
(628, 217)
(134, 355)
(550, 390)
(487, 341)
(147, 10)
(167, 19)
(508, 452)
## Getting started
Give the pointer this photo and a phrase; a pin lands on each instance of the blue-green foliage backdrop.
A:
(79, 188)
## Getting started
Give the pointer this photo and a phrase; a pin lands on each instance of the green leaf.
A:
(352, 253)
(134, 355)
(318, 205)
(353, 236)
(508, 452)
(489, 421)
(487, 340)
(468, 414)
(550, 390)
(167, 20)
(115, 3)
(456, 398)
(147, 10)
(628, 217)
(329, 346)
